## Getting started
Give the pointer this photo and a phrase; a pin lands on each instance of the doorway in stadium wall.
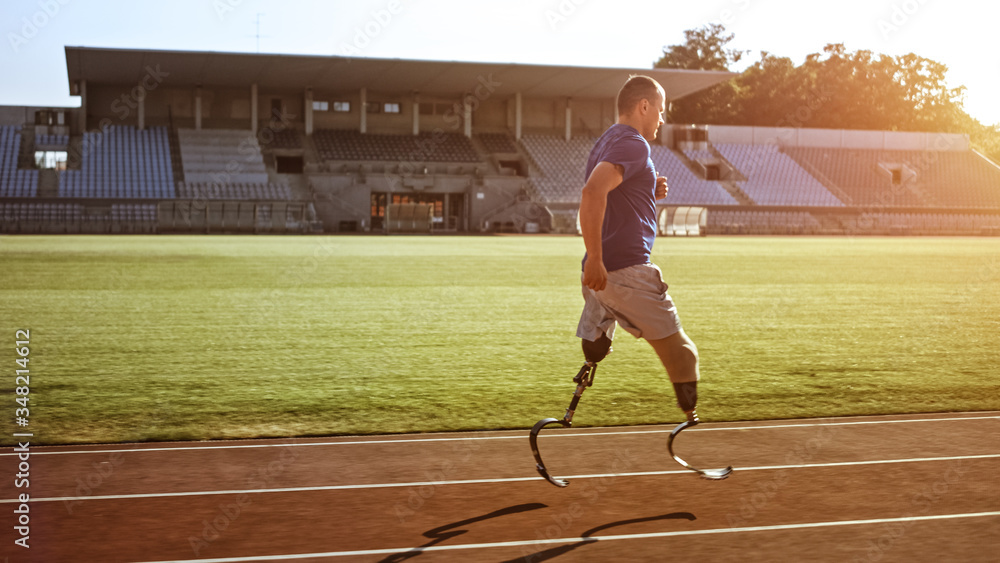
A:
(448, 208)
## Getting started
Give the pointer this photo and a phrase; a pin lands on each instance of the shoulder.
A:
(625, 137)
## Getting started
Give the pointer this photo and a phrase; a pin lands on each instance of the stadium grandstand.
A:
(206, 142)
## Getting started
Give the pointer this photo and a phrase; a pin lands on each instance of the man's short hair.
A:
(637, 88)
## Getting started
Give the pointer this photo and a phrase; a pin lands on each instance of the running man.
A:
(618, 219)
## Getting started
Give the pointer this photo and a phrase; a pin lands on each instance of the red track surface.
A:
(902, 488)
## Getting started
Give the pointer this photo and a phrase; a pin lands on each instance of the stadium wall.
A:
(230, 108)
(344, 201)
(18, 116)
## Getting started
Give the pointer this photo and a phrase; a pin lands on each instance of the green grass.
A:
(156, 338)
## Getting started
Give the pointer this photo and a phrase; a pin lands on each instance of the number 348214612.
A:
(23, 379)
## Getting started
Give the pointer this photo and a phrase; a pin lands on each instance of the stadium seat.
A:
(121, 162)
(14, 182)
(773, 178)
(336, 144)
(960, 179)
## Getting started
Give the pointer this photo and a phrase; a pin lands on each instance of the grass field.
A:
(156, 338)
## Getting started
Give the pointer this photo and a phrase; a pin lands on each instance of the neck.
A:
(630, 121)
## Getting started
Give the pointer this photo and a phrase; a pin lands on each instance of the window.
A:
(50, 160)
(431, 108)
(391, 107)
(342, 107)
(50, 117)
(373, 107)
(321, 106)
(898, 173)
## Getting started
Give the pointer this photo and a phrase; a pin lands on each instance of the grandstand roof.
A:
(283, 72)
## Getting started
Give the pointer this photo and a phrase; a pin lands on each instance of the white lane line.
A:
(138, 449)
(481, 481)
(590, 539)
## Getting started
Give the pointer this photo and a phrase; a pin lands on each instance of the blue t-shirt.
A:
(630, 216)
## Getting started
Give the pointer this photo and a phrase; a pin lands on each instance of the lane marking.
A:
(591, 539)
(485, 481)
(139, 449)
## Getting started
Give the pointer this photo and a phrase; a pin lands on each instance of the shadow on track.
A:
(446, 532)
(586, 538)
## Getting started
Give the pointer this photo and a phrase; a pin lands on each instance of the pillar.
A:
(569, 120)
(309, 111)
(253, 107)
(363, 125)
(467, 115)
(141, 113)
(197, 108)
(416, 115)
(82, 115)
(517, 116)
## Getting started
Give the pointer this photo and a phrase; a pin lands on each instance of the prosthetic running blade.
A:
(539, 464)
(713, 474)
(583, 379)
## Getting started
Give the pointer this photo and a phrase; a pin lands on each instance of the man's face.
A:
(653, 119)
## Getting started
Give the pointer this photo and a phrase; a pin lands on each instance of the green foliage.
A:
(835, 89)
(704, 49)
(986, 140)
(163, 338)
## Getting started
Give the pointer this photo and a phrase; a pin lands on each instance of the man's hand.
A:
(595, 275)
(661, 187)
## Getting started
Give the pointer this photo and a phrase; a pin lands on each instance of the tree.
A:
(770, 93)
(834, 89)
(985, 139)
(704, 49)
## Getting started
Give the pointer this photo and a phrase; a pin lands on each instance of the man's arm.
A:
(593, 201)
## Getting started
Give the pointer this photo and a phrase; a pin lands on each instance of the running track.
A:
(897, 488)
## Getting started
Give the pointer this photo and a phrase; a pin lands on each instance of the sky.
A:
(606, 33)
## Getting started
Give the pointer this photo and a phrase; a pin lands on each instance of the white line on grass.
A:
(590, 539)
(137, 447)
(482, 481)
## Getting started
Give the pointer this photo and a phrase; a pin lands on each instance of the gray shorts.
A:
(636, 298)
